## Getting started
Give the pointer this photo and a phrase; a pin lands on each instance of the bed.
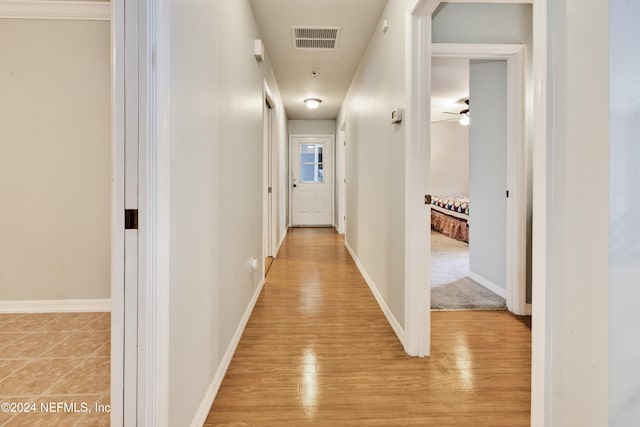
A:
(450, 216)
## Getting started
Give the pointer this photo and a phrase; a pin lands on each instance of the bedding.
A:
(449, 216)
(452, 204)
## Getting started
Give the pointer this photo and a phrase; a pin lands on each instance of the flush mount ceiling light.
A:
(312, 103)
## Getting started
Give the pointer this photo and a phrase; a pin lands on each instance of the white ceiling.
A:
(357, 18)
(449, 85)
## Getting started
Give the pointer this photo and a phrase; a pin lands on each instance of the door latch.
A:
(131, 219)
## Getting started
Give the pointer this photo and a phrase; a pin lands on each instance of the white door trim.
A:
(269, 216)
(417, 323)
(516, 225)
(117, 216)
(293, 136)
(140, 332)
(55, 9)
(341, 176)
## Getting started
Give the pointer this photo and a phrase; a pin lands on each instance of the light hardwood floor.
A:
(318, 351)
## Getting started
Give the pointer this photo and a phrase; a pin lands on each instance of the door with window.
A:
(311, 180)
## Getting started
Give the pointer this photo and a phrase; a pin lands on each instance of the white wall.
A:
(55, 160)
(376, 159)
(578, 215)
(312, 127)
(216, 138)
(488, 171)
(449, 159)
(495, 23)
(624, 227)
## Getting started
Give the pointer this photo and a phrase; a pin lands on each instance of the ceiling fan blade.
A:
(446, 120)
(448, 112)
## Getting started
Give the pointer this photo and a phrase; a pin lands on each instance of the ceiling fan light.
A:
(464, 119)
(312, 103)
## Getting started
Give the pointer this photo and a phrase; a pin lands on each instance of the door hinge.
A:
(427, 199)
(269, 190)
(131, 219)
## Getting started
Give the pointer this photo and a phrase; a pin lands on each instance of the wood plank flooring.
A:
(318, 351)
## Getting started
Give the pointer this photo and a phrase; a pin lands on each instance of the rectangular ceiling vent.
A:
(315, 38)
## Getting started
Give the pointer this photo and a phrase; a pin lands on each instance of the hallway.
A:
(317, 349)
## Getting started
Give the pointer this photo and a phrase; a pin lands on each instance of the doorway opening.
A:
(268, 220)
(55, 180)
(469, 140)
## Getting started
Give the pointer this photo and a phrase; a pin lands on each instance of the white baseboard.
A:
(212, 390)
(488, 284)
(284, 235)
(395, 325)
(528, 309)
(55, 306)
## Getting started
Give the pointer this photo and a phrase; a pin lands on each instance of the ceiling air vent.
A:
(315, 38)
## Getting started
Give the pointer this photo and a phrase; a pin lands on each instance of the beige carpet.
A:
(450, 287)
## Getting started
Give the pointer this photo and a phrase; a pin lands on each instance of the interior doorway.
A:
(268, 220)
(56, 183)
(468, 162)
(505, 179)
(311, 176)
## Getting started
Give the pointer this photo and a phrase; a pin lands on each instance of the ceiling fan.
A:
(462, 115)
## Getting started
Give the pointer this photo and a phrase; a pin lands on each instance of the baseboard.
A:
(39, 9)
(55, 306)
(528, 309)
(279, 245)
(488, 284)
(395, 325)
(212, 390)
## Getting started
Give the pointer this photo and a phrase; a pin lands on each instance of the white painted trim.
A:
(154, 205)
(417, 325)
(270, 217)
(395, 325)
(55, 306)
(541, 327)
(528, 310)
(488, 284)
(280, 242)
(54, 9)
(210, 395)
(477, 50)
(427, 7)
(117, 217)
(341, 176)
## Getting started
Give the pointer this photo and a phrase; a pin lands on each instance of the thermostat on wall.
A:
(396, 115)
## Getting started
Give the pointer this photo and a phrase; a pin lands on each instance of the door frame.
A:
(341, 178)
(516, 203)
(333, 171)
(140, 108)
(417, 316)
(269, 223)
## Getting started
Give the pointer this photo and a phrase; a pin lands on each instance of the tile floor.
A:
(58, 365)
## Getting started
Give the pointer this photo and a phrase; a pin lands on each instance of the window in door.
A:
(311, 165)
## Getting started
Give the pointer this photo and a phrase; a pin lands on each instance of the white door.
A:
(311, 180)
